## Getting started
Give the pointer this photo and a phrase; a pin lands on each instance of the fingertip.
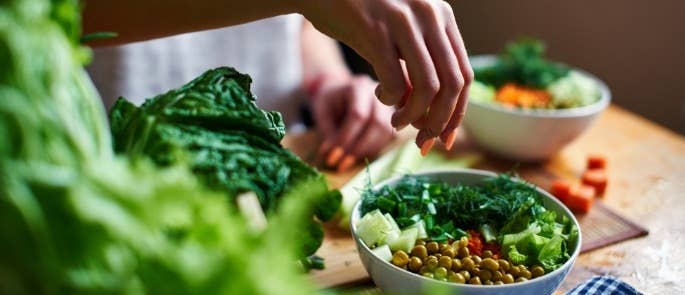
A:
(426, 146)
(346, 163)
(334, 156)
(449, 140)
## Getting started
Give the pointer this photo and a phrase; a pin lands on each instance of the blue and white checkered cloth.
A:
(604, 285)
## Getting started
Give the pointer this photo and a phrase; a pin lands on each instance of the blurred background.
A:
(636, 47)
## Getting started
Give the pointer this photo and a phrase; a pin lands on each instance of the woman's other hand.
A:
(354, 124)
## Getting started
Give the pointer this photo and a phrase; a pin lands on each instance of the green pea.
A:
(440, 272)
(484, 275)
(508, 278)
(526, 274)
(465, 274)
(456, 278)
(489, 264)
(415, 264)
(419, 251)
(432, 247)
(487, 254)
(467, 263)
(475, 281)
(431, 262)
(400, 258)
(503, 264)
(537, 271)
(476, 259)
(445, 261)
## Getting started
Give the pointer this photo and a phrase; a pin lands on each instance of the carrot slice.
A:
(596, 162)
(561, 188)
(596, 178)
(581, 198)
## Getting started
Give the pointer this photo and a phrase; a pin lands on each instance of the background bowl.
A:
(393, 280)
(528, 135)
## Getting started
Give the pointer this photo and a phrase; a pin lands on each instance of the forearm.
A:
(141, 20)
(320, 56)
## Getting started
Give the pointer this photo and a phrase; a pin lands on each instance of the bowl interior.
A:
(470, 177)
(485, 60)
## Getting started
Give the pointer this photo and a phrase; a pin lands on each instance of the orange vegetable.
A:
(515, 95)
(596, 178)
(596, 162)
(475, 242)
(561, 189)
(581, 198)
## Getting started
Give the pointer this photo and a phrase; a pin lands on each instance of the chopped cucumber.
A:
(389, 237)
(421, 228)
(383, 252)
(405, 241)
(373, 227)
(392, 221)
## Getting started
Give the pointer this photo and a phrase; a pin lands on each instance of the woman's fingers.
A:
(377, 134)
(452, 31)
(325, 108)
(422, 75)
(447, 67)
(359, 108)
(388, 69)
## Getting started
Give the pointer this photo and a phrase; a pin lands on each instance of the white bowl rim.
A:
(595, 107)
(428, 173)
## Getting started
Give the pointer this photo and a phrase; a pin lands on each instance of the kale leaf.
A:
(214, 124)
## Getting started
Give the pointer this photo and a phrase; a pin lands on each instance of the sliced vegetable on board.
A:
(596, 178)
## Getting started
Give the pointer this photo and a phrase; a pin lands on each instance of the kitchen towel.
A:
(604, 285)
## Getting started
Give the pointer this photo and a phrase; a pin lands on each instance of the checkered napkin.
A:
(604, 285)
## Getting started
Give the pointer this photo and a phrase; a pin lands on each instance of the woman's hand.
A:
(353, 122)
(432, 94)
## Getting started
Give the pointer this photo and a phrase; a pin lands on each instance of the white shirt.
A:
(268, 50)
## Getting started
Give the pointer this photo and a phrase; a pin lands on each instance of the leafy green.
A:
(76, 219)
(233, 146)
(522, 62)
(449, 209)
(516, 257)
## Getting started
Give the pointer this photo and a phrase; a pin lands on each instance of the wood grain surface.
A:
(646, 165)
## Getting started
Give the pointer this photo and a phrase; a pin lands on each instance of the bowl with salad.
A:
(465, 231)
(525, 107)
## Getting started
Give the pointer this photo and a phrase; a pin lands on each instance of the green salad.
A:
(523, 78)
(497, 232)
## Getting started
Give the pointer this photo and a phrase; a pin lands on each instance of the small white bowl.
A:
(394, 280)
(532, 134)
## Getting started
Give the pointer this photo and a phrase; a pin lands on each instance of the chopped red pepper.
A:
(475, 242)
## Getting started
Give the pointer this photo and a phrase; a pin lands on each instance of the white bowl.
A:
(394, 280)
(528, 135)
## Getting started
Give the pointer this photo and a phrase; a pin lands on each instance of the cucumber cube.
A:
(383, 252)
(392, 221)
(373, 227)
(405, 241)
(421, 227)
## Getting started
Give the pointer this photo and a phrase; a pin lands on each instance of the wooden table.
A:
(647, 184)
